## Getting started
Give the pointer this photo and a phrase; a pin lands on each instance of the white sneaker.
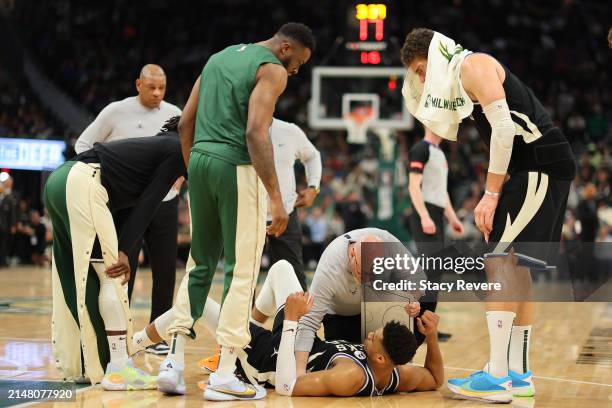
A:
(230, 388)
(126, 378)
(170, 379)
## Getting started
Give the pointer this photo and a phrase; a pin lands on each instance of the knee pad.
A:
(110, 306)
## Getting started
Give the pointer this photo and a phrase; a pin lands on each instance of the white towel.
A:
(441, 103)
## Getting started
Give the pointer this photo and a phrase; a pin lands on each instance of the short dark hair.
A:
(399, 342)
(416, 45)
(300, 33)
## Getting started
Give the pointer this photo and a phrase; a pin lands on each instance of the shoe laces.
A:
(477, 374)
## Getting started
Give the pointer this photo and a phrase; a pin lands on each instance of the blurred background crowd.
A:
(92, 55)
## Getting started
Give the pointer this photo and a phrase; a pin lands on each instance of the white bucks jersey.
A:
(324, 353)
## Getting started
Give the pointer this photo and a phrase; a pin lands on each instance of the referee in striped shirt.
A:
(428, 192)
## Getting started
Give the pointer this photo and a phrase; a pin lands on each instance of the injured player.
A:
(339, 368)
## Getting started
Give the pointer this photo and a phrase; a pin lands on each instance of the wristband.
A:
(490, 193)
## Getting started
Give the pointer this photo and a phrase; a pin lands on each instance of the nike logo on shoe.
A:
(250, 392)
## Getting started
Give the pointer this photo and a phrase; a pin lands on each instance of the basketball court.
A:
(356, 88)
(571, 353)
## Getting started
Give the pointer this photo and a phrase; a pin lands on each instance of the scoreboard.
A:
(366, 36)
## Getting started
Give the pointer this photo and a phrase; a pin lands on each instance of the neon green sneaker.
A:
(127, 378)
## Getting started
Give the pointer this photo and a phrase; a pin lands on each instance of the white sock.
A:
(177, 348)
(500, 328)
(518, 356)
(118, 349)
(227, 361)
(141, 340)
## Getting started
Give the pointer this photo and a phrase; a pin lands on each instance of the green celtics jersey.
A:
(227, 80)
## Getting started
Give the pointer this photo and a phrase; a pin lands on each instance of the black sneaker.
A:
(159, 349)
(442, 337)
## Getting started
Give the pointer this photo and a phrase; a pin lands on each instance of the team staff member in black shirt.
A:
(89, 305)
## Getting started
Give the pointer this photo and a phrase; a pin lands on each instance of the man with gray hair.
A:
(142, 116)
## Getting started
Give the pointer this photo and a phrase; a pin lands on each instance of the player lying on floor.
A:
(340, 368)
(337, 290)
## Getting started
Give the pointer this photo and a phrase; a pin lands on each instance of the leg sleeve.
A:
(279, 284)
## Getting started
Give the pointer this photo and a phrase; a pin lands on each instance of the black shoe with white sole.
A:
(159, 349)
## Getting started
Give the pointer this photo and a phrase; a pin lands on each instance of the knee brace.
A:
(111, 309)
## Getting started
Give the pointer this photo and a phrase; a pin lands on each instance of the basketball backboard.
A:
(338, 91)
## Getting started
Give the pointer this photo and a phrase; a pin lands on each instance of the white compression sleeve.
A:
(110, 306)
(109, 303)
(279, 284)
(285, 361)
(502, 135)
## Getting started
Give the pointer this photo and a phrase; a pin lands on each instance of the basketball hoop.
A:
(357, 123)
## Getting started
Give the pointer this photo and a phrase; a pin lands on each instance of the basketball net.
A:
(357, 123)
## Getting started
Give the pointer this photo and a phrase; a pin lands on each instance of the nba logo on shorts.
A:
(499, 324)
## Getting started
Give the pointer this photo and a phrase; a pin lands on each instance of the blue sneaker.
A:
(483, 387)
(522, 384)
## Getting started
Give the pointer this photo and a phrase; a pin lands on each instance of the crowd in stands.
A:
(21, 113)
(25, 233)
(558, 48)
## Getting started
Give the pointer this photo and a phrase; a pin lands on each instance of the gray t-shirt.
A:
(334, 288)
(127, 119)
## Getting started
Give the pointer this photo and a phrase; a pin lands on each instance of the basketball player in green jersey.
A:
(226, 145)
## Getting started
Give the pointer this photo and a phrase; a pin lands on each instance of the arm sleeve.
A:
(321, 289)
(97, 131)
(502, 135)
(310, 158)
(418, 157)
(148, 202)
(285, 361)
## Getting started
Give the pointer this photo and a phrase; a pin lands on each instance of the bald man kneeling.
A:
(142, 116)
(337, 291)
